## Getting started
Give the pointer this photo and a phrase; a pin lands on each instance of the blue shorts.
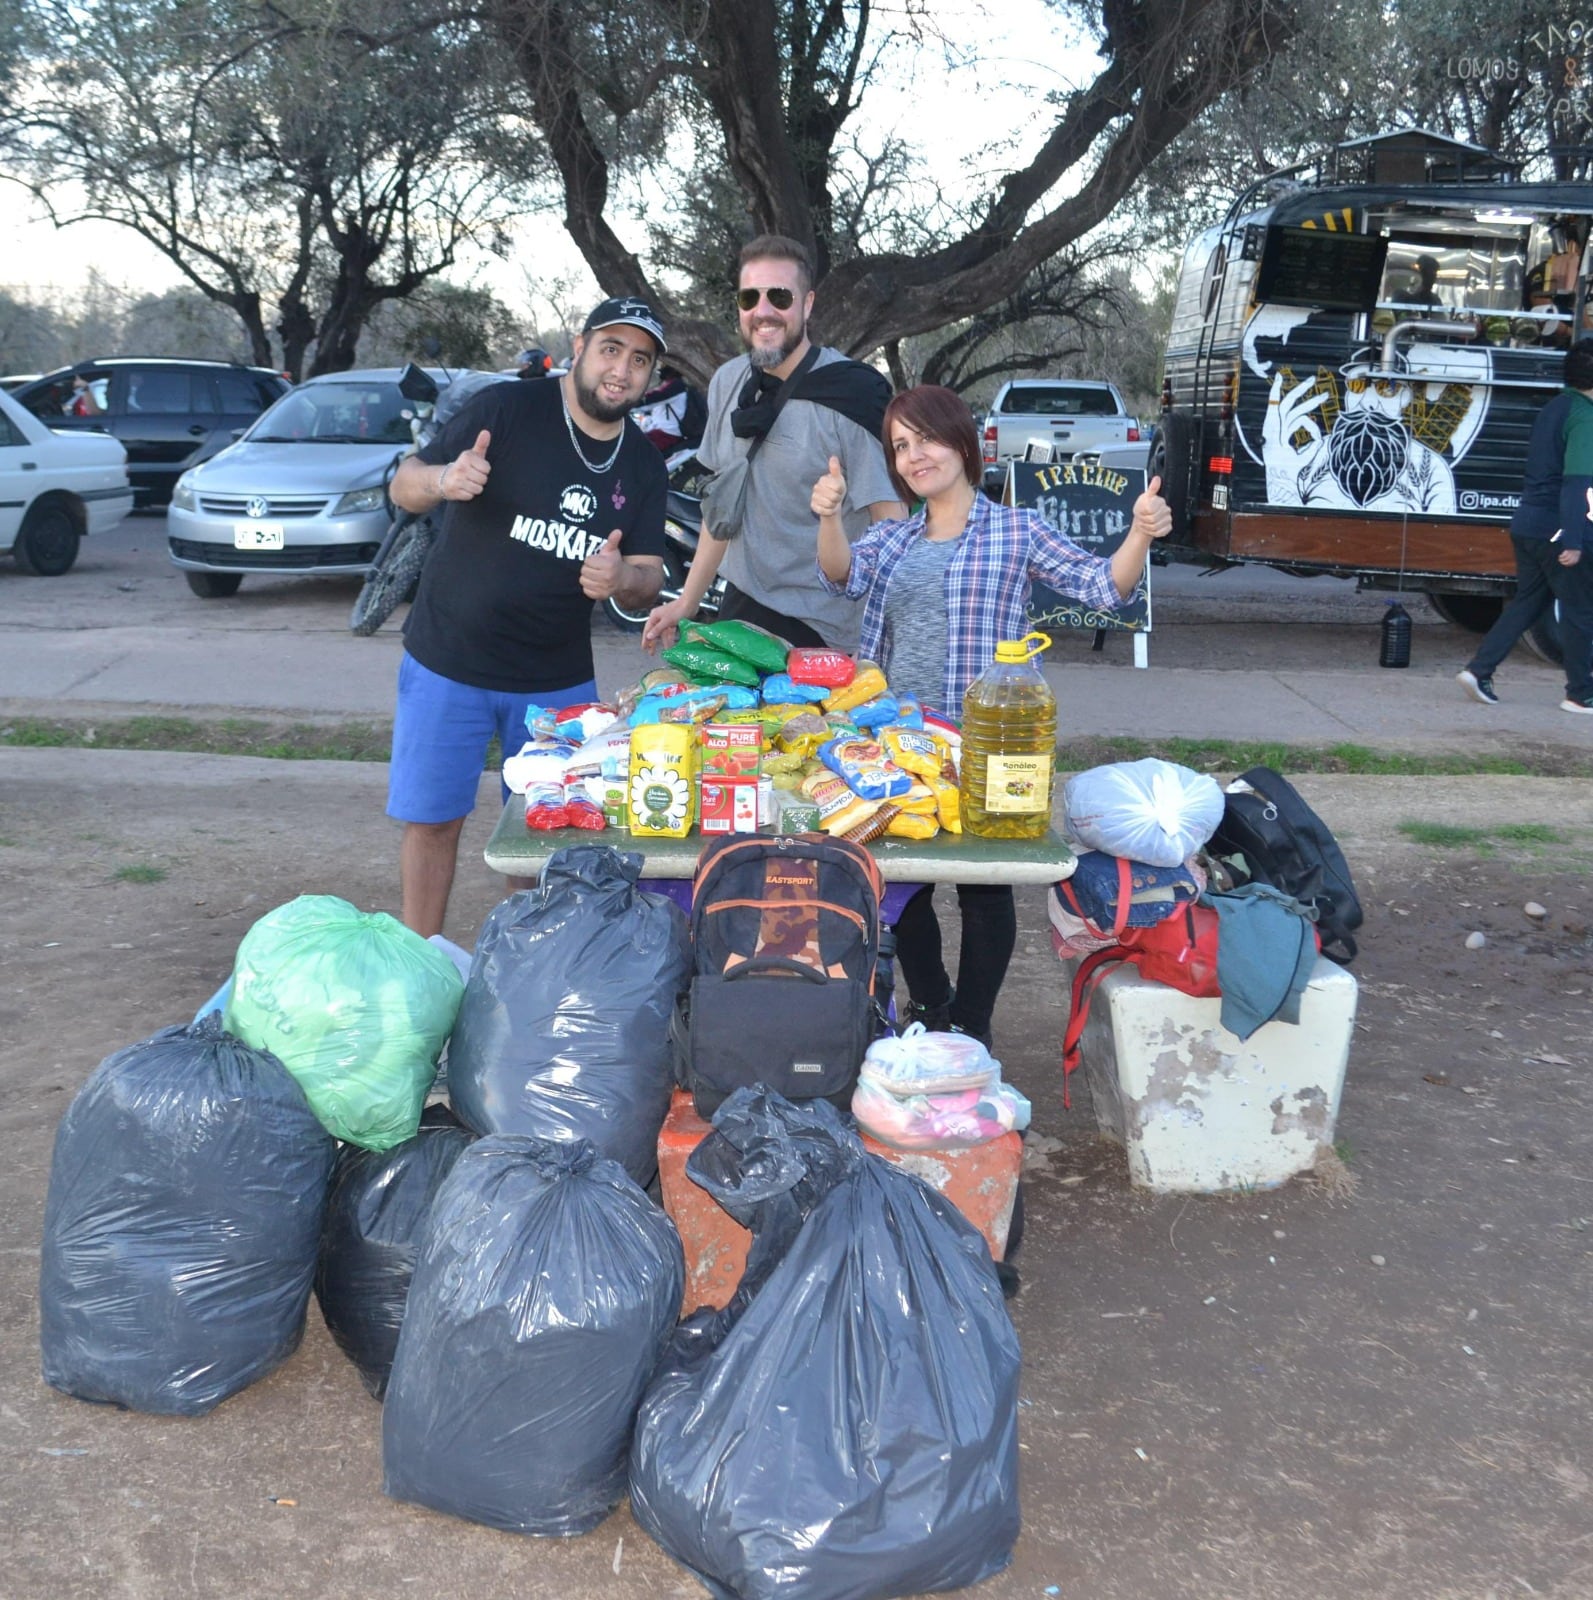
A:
(440, 737)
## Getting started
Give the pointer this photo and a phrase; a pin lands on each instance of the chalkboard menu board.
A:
(1093, 506)
(1315, 267)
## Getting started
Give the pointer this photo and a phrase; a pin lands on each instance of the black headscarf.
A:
(855, 390)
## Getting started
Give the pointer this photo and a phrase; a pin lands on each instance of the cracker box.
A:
(729, 805)
(731, 749)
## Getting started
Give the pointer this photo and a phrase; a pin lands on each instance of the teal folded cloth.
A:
(1266, 950)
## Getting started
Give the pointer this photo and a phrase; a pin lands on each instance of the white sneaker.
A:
(1584, 706)
(1478, 688)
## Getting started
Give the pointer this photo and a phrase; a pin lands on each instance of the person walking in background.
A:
(1550, 530)
(554, 500)
(833, 407)
(942, 588)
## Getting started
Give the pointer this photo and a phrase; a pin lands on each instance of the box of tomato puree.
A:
(729, 805)
(731, 749)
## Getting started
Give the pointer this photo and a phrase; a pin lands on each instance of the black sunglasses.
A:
(781, 299)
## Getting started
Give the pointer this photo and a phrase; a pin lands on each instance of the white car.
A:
(54, 489)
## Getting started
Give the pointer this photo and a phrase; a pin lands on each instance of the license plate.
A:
(257, 536)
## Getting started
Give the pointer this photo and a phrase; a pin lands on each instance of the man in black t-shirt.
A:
(554, 500)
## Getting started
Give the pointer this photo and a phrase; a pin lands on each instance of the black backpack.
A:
(1273, 836)
(785, 935)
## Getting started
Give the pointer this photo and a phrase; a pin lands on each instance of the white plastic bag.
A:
(1152, 811)
(921, 1062)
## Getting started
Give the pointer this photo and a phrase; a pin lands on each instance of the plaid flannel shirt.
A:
(986, 586)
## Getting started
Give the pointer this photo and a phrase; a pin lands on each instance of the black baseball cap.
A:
(631, 311)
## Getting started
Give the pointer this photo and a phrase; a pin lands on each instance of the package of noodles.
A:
(839, 809)
(865, 769)
(909, 825)
(915, 750)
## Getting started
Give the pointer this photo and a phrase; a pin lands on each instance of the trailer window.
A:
(1440, 274)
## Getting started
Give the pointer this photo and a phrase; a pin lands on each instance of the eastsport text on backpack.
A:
(1273, 836)
(785, 935)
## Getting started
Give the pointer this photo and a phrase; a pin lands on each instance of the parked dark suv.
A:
(169, 414)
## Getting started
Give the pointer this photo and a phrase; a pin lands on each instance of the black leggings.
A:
(989, 935)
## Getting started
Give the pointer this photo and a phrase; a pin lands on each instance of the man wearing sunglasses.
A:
(805, 403)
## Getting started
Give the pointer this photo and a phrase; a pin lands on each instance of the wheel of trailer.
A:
(47, 542)
(1543, 637)
(1476, 613)
(214, 585)
(1169, 460)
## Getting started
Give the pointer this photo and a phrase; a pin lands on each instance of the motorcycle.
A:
(682, 522)
(395, 570)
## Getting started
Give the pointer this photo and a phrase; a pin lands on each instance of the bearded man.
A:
(555, 499)
(786, 408)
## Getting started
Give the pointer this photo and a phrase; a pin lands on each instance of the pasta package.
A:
(910, 825)
(868, 684)
(662, 796)
(803, 734)
(919, 801)
(839, 809)
(862, 764)
(917, 751)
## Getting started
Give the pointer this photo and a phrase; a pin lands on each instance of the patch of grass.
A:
(228, 736)
(1235, 755)
(1534, 836)
(1445, 835)
(1528, 833)
(1345, 1151)
(140, 874)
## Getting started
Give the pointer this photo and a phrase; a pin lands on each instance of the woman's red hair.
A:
(940, 415)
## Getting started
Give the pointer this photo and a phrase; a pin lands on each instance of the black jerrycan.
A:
(1395, 651)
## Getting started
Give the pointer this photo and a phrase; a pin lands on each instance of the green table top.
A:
(521, 852)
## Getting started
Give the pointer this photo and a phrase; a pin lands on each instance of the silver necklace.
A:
(594, 467)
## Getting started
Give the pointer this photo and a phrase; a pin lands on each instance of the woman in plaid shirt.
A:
(943, 587)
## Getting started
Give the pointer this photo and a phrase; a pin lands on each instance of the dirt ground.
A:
(1223, 1397)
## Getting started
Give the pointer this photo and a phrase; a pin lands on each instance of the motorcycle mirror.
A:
(417, 385)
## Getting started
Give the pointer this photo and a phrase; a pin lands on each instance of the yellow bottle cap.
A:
(1024, 649)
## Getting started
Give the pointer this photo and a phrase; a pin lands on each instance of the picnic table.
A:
(521, 852)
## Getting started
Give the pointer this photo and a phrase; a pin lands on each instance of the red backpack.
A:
(1180, 951)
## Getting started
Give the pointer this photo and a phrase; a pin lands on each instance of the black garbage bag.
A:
(375, 1214)
(547, 1287)
(180, 1229)
(847, 1427)
(563, 1032)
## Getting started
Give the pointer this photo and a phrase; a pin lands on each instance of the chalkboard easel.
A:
(1093, 505)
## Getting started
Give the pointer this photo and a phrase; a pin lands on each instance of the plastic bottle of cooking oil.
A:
(1009, 745)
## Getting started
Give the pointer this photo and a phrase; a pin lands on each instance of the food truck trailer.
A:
(1355, 363)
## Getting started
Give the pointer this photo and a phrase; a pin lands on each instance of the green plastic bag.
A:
(354, 1005)
(708, 665)
(751, 643)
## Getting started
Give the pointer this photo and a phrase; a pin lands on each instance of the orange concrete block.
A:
(982, 1182)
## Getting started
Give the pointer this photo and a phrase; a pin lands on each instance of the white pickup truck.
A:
(1072, 416)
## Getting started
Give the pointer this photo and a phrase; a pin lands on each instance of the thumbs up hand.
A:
(1153, 517)
(829, 493)
(466, 475)
(600, 572)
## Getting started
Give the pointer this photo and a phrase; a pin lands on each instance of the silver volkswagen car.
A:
(304, 490)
